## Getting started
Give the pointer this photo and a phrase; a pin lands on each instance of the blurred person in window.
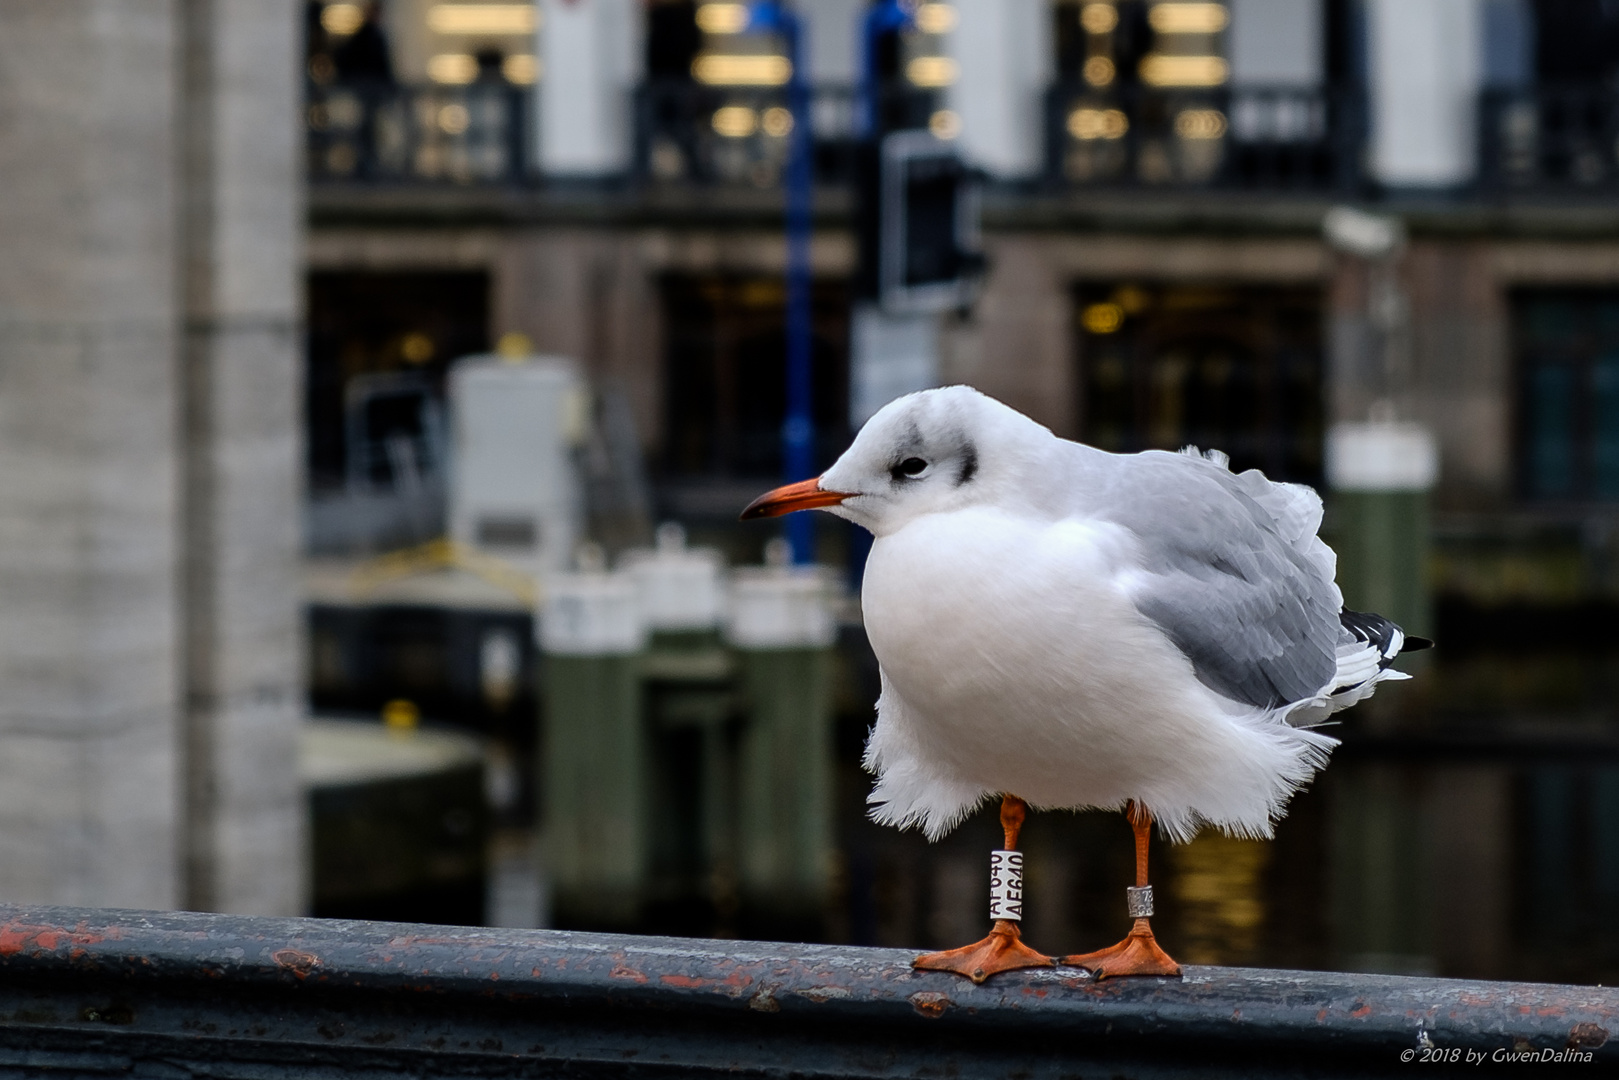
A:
(672, 39)
(490, 66)
(364, 57)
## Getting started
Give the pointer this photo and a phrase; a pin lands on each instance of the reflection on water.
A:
(1216, 883)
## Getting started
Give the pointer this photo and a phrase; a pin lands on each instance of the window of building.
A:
(405, 327)
(725, 374)
(1567, 347)
(1230, 369)
(1140, 96)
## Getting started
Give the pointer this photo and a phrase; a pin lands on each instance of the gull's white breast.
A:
(1014, 661)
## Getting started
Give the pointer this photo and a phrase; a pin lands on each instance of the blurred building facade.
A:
(1161, 166)
(150, 434)
(603, 178)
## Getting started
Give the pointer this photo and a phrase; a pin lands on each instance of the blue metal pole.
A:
(798, 430)
(885, 16)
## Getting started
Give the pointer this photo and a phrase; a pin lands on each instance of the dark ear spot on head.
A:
(969, 464)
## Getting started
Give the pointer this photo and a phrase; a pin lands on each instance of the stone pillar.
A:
(242, 235)
(590, 62)
(1005, 55)
(148, 410)
(1424, 75)
(89, 462)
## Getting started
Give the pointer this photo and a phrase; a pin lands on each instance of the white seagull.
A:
(1071, 629)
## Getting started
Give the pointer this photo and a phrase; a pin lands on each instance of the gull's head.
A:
(926, 453)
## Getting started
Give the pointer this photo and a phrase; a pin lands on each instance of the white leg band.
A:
(1006, 885)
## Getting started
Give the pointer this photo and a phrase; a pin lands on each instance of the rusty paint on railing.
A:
(106, 991)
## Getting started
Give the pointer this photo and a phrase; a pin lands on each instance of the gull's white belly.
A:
(1022, 665)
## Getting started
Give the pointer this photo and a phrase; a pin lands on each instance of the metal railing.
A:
(92, 993)
(475, 134)
(688, 133)
(1246, 138)
(1552, 138)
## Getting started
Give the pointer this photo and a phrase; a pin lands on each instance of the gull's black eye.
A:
(911, 466)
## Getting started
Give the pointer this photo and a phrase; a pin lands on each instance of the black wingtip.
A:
(1415, 644)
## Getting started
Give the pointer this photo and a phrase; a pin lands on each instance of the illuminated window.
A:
(521, 68)
(735, 121)
(935, 18)
(730, 69)
(452, 69)
(1183, 18)
(1086, 124)
(722, 18)
(932, 71)
(1187, 48)
(1158, 69)
(482, 18)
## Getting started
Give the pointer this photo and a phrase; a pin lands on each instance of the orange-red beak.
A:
(804, 495)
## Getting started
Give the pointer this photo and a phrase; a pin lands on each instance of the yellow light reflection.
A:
(735, 121)
(482, 18)
(1160, 70)
(945, 124)
(1099, 18)
(935, 18)
(723, 69)
(454, 119)
(1188, 18)
(1200, 124)
(1102, 318)
(1088, 124)
(1099, 71)
(341, 19)
(521, 68)
(932, 71)
(454, 69)
(722, 18)
(777, 121)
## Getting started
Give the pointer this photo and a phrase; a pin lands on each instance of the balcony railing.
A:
(121, 993)
(687, 133)
(1554, 138)
(1247, 138)
(473, 134)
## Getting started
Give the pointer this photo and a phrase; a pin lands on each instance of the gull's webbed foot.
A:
(1002, 950)
(1137, 954)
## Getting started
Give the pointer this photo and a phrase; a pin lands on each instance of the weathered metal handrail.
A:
(92, 992)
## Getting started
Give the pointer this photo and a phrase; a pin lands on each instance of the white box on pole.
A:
(515, 490)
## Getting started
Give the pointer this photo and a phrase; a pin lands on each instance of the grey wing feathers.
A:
(1235, 575)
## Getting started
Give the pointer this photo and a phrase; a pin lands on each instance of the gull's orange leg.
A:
(1138, 953)
(1003, 949)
